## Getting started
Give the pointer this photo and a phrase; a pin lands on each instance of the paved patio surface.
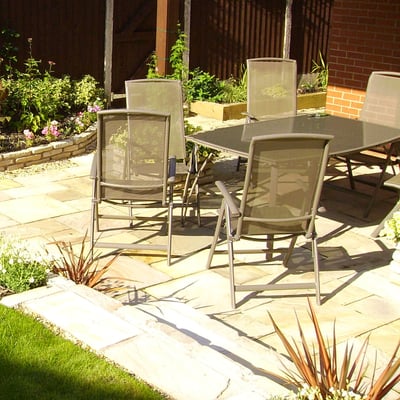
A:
(359, 291)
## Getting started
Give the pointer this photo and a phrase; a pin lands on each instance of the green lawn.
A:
(36, 363)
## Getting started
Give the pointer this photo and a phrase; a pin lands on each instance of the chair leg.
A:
(231, 257)
(378, 185)
(221, 217)
(314, 251)
(289, 251)
(350, 173)
(169, 248)
(270, 248)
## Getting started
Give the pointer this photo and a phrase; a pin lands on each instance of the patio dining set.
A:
(141, 162)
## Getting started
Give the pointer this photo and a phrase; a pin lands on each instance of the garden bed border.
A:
(55, 151)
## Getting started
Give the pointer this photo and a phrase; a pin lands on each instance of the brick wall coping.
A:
(60, 150)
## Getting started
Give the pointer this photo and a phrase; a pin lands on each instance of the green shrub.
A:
(22, 267)
(198, 84)
(34, 99)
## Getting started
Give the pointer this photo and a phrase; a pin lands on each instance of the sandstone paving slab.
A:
(43, 231)
(163, 363)
(130, 274)
(236, 364)
(382, 310)
(15, 300)
(184, 265)
(35, 190)
(207, 291)
(341, 290)
(6, 222)
(375, 282)
(34, 208)
(78, 221)
(82, 319)
(8, 183)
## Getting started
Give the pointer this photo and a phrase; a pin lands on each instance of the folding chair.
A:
(132, 170)
(271, 89)
(165, 96)
(281, 192)
(381, 106)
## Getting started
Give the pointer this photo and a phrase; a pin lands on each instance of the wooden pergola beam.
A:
(167, 21)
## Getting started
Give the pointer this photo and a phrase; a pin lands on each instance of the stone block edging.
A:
(60, 150)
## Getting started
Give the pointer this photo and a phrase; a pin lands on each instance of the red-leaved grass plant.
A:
(333, 378)
(82, 268)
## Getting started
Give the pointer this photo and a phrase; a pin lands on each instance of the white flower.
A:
(31, 279)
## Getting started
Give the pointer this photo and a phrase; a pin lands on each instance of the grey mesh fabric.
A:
(280, 198)
(381, 106)
(165, 96)
(271, 88)
(131, 170)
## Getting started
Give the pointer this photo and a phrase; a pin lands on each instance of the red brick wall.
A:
(364, 37)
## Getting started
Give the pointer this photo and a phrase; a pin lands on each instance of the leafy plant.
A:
(234, 90)
(320, 372)
(82, 267)
(198, 84)
(21, 266)
(321, 68)
(35, 98)
(202, 86)
(7, 50)
(391, 228)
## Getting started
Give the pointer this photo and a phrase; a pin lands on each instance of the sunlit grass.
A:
(36, 363)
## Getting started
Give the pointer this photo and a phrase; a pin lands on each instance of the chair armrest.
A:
(249, 117)
(171, 169)
(230, 202)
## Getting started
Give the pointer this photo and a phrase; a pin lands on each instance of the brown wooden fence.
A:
(224, 33)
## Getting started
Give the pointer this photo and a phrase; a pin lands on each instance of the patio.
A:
(357, 286)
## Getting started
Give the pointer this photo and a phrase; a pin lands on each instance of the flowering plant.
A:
(391, 228)
(22, 267)
(50, 131)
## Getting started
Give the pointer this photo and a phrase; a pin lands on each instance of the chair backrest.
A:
(271, 88)
(283, 183)
(132, 155)
(162, 96)
(382, 99)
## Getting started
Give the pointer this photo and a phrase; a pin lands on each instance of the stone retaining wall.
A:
(55, 151)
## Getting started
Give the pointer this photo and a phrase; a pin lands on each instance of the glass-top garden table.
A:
(349, 135)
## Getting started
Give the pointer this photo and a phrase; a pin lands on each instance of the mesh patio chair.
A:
(281, 192)
(271, 89)
(165, 96)
(131, 171)
(381, 106)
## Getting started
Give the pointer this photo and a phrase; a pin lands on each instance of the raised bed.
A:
(223, 112)
(60, 150)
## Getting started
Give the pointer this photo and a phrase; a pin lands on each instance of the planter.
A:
(54, 151)
(223, 112)
(311, 100)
